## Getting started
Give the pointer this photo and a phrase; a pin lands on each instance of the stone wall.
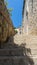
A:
(30, 41)
(32, 16)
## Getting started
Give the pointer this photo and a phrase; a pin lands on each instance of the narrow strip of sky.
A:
(17, 6)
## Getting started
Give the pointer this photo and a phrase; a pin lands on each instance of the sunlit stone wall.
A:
(29, 24)
(32, 16)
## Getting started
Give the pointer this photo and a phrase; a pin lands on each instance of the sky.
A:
(17, 6)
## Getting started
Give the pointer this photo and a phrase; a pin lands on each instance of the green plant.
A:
(16, 31)
(9, 9)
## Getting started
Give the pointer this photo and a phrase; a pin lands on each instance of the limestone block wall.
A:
(32, 16)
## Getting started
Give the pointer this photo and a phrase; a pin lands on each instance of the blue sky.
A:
(17, 6)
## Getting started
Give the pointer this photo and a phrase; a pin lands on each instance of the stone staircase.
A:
(31, 42)
(12, 54)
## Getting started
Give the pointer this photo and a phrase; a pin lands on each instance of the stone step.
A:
(32, 43)
(13, 52)
(17, 57)
(12, 57)
(31, 47)
(13, 60)
(33, 56)
(34, 52)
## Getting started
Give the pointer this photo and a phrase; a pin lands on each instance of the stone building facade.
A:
(30, 17)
